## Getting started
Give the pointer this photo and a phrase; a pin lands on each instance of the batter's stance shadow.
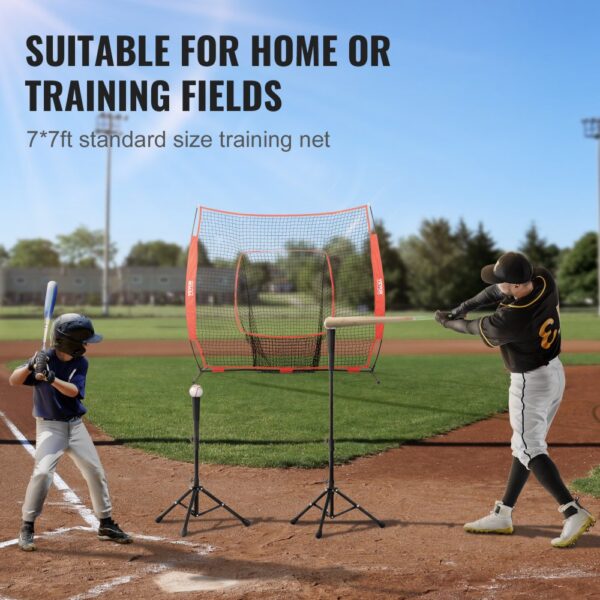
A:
(193, 508)
(329, 494)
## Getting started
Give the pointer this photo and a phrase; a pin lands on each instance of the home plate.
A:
(180, 581)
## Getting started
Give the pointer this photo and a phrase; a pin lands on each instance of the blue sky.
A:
(478, 117)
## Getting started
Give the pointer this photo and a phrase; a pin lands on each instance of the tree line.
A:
(85, 248)
(440, 265)
(436, 267)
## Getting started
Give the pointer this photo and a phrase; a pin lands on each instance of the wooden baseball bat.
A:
(335, 322)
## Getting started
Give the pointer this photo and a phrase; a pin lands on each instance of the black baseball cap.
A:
(512, 267)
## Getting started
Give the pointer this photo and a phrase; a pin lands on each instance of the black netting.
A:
(265, 283)
(262, 273)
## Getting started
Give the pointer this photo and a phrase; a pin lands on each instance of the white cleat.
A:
(574, 526)
(498, 521)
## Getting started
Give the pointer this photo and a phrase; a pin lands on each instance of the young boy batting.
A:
(58, 379)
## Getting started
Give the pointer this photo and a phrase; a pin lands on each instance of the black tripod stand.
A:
(193, 508)
(331, 491)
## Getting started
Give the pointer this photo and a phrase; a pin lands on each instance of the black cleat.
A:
(26, 538)
(109, 530)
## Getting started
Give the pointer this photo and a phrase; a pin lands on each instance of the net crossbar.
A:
(258, 288)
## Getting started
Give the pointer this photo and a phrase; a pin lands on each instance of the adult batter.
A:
(526, 327)
(58, 377)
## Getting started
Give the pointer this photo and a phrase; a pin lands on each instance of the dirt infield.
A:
(424, 492)
(11, 350)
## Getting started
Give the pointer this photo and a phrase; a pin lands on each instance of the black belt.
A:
(69, 420)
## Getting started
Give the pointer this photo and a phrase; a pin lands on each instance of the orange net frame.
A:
(258, 288)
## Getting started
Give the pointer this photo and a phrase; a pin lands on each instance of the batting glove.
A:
(40, 362)
(457, 313)
(441, 316)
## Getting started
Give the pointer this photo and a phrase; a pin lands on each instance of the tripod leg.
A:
(246, 522)
(193, 499)
(362, 510)
(168, 510)
(329, 493)
(301, 513)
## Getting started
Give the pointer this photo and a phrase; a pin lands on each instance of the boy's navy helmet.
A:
(72, 332)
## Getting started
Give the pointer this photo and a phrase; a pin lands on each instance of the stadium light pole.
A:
(591, 129)
(108, 124)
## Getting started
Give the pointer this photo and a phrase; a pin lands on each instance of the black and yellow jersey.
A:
(526, 330)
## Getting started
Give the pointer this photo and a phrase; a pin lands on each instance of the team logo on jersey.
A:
(547, 334)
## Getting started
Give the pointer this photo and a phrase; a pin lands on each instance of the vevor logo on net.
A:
(380, 287)
(190, 287)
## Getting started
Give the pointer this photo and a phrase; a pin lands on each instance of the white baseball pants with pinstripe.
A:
(53, 439)
(533, 400)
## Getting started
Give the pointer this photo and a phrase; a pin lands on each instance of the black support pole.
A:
(193, 508)
(331, 369)
(327, 510)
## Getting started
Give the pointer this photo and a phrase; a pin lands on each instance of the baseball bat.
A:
(335, 322)
(51, 291)
(49, 302)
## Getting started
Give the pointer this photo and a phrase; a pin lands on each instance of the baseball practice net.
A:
(258, 288)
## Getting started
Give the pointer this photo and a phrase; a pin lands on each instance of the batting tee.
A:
(258, 288)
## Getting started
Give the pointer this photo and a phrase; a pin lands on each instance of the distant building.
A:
(128, 285)
(22, 285)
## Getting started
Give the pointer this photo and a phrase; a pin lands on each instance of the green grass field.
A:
(267, 420)
(576, 325)
(271, 420)
(117, 328)
(30, 311)
(590, 484)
